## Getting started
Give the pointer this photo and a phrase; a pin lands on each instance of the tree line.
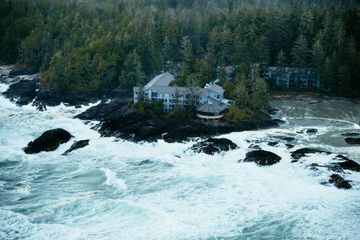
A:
(98, 44)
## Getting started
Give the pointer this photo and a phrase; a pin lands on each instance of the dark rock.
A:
(178, 131)
(335, 168)
(289, 146)
(120, 120)
(350, 134)
(26, 91)
(48, 141)
(255, 146)
(77, 145)
(273, 111)
(339, 182)
(352, 141)
(350, 165)
(311, 131)
(55, 97)
(22, 92)
(262, 158)
(20, 70)
(332, 167)
(129, 124)
(214, 145)
(303, 152)
(104, 109)
(314, 166)
(273, 144)
(347, 163)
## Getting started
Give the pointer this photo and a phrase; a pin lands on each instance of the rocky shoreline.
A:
(25, 89)
(120, 120)
(116, 117)
(336, 170)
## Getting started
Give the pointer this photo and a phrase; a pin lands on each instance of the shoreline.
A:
(118, 119)
(290, 95)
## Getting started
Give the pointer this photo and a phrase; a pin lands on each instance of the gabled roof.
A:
(214, 88)
(162, 80)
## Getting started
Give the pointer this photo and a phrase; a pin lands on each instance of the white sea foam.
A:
(171, 192)
(113, 180)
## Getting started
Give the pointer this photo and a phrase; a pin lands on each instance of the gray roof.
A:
(211, 107)
(229, 69)
(214, 88)
(162, 80)
(170, 90)
(175, 89)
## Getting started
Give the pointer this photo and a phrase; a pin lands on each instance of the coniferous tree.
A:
(85, 46)
(300, 52)
(281, 59)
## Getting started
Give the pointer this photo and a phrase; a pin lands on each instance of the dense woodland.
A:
(108, 44)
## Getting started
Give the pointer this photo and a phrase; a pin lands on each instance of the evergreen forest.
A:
(88, 45)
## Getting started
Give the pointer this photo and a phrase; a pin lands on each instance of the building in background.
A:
(287, 77)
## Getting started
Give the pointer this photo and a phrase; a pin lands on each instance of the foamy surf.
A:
(113, 180)
(115, 189)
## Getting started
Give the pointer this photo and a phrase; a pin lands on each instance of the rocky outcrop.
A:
(120, 120)
(339, 181)
(285, 138)
(347, 164)
(289, 146)
(273, 111)
(103, 110)
(17, 70)
(262, 158)
(309, 131)
(303, 152)
(76, 145)
(273, 144)
(25, 89)
(22, 92)
(214, 145)
(48, 141)
(55, 97)
(351, 134)
(352, 140)
(255, 146)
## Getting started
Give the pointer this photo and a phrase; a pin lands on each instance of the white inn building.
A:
(211, 103)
